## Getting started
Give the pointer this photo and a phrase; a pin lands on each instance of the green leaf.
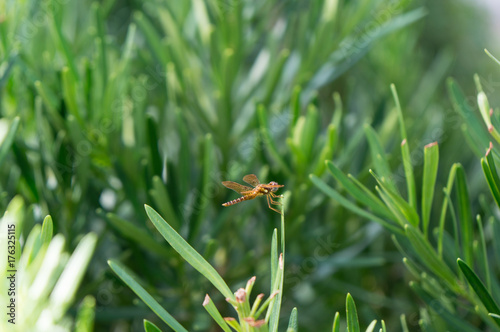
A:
(202, 21)
(494, 226)
(465, 214)
(405, 152)
(399, 205)
(152, 37)
(150, 327)
(273, 313)
(27, 171)
(332, 193)
(31, 249)
(379, 159)
(309, 132)
(495, 317)
(395, 210)
(359, 191)
(50, 101)
(47, 230)
(7, 141)
(444, 207)
(274, 258)
(295, 106)
(234, 324)
(490, 172)
(70, 58)
(69, 88)
(209, 306)
(209, 164)
(327, 150)
(434, 304)
(292, 323)
(177, 42)
(484, 109)
(404, 326)
(86, 314)
(332, 136)
(483, 253)
(431, 160)
(492, 56)
(461, 106)
(371, 327)
(383, 329)
(184, 160)
(352, 315)
(101, 43)
(336, 323)
(299, 158)
(494, 189)
(286, 198)
(429, 257)
(122, 272)
(65, 289)
(275, 308)
(188, 253)
(410, 178)
(491, 163)
(478, 287)
(412, 267)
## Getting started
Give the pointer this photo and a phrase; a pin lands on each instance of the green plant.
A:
(41, 279)
(429, 256)
(250, 317)
(105, 106)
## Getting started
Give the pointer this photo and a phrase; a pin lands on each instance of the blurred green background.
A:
(126, 103)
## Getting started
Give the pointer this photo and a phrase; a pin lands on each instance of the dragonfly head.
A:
(272, 183)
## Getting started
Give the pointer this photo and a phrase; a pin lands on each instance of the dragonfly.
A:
(256, 189)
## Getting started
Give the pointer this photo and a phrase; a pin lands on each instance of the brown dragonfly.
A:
(257, 189)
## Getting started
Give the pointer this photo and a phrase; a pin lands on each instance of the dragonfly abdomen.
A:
(237, 200)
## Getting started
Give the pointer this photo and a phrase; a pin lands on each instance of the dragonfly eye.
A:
(272, 183)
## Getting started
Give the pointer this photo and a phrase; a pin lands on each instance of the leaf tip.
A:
(206, 301)
(430, 145)
(489, 149)
(251, 281)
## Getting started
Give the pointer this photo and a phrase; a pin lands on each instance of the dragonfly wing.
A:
(251, 179)
(239, 188)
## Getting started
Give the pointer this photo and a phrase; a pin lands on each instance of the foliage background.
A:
(123, 103)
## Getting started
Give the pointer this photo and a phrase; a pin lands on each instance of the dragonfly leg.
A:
(279, 196)
(269, 200)
(275, 202)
